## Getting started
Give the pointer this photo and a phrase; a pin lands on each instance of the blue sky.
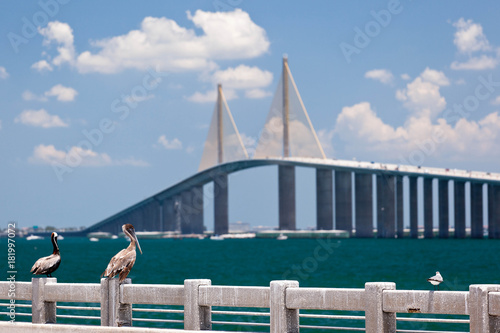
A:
(404, 82)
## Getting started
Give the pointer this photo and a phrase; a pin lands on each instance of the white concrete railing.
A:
(380, 301)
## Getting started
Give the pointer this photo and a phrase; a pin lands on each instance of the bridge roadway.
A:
(181, 205)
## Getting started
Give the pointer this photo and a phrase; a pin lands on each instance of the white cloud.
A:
(243, 77)
(383, 75)
(364, 132)
(77, 156)
(3, 73)
(433, 76)
(359, 123)
(60, 34)
(475, 63)
(249, 142)
(42, 65)
(39, 118)
(169, 144)
(62, 93)
(469, 37)
(29, 96)
(496, 101)
(211, 96)
(422, 95)
(163, 44)
(257, 93)
(405, 77)
(460, 82)
(249, 79)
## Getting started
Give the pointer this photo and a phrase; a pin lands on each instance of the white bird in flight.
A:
(436, 280)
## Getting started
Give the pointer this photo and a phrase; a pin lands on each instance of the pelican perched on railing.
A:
(47, 265)
(124, 260)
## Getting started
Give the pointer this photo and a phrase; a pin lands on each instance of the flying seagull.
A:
(47, 265)
(436, 280)
(124, 260)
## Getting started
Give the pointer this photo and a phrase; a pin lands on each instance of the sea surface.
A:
(333, 263)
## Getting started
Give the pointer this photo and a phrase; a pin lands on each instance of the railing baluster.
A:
(113, 312)
(378, 321)
(480, 319)
(42, 312)
(196, 317)
(282, 318)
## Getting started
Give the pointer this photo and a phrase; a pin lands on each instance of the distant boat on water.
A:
(32, 237)
(282, 237)
(216, 237)
(93, 239)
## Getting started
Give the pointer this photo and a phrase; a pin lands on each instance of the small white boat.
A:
(114, 237)
(282, 237)
(59, 237)
(216, 237)
(32, 237)
(93, 239)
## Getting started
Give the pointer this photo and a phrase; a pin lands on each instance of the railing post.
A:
(113, 312)
(196, 317)
(283, 319)
(480, 320)
(378, 321)
(42, 312)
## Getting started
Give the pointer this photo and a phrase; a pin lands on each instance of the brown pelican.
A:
(124, 260)
(436, 280)
(47, 265)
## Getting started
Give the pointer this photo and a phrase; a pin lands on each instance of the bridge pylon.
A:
(223, 142)
(288, 132)
(223, 145)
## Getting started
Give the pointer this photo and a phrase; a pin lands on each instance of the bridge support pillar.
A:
(400, 231)
(385, 206)
(459, 192)
(493, 211)
(364, 204)
(191, 210)
(168, 212)
(221, 205)
(343, 201)
(428, 210)
(286, 185)
(324, 199)
(476, 209)
(413, 187)
(444, 219)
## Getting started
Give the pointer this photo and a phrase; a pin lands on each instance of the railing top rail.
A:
(326, 299)
(418, 301)
(22, 290)
(257, 297)
(73, 292)
(153, 294)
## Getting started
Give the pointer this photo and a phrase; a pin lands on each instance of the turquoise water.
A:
(347, 263)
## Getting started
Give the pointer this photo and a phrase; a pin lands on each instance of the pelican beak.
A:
(136, 240)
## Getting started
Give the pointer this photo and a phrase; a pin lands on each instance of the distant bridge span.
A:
(180, 207)
(287, 137)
